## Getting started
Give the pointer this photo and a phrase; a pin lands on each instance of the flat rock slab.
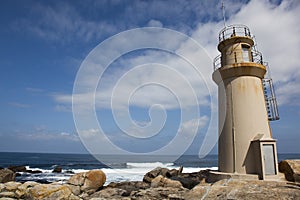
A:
(253, 190)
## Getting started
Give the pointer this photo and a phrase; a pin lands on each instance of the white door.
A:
(269, 159)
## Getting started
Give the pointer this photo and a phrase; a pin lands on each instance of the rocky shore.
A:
(160, 183)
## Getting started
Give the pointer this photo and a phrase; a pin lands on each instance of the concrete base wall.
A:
(215, 176)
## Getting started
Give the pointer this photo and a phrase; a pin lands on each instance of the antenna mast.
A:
(223, 10)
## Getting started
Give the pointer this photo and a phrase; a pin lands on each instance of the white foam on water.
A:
(136, 171)
(148, 165)
(133, 172)
(193, 169)
(39, 169)
(76, 171)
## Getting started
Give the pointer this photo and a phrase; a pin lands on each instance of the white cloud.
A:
(89, 133)
(34, 90)
(150, 77)
(63, 108)
(47, 136)
(277, 33)
(288, 92)
(154, 23)
(19, 105)
(83, 21)
(193, 124)
(62, 22)
(276, 29)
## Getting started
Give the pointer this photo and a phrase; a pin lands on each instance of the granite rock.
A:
(11, 186)
(89, 182)
(197, 192)
(7, 175)
(161, 181)
(48, 192)
(159, 193)
(77, 179)
(252, 190)
(57, 169)
(291, 170)
(190, 180)
(109, 193)
(7, 194)
(160, 187)
(129, 186)
(154, 173)
(17, 168)
(94, 180)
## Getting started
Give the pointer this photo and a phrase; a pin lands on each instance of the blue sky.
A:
(44, 43)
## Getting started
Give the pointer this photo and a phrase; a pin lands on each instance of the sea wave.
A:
(38, 169)
(132, 172)
(149, 165)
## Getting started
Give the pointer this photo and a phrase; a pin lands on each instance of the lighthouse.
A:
(247, 104)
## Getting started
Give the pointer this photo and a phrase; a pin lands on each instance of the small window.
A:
(246, 53)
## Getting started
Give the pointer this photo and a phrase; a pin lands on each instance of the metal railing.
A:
(270, 98)
(234, 30)
(256, 57)
(217, 62)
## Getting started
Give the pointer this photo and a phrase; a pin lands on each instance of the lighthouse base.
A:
(215, 176)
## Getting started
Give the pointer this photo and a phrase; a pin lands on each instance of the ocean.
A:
(117, 168)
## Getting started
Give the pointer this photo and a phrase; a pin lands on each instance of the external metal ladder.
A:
(270, 98)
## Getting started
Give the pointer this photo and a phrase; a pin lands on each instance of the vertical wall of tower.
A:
(242, 110)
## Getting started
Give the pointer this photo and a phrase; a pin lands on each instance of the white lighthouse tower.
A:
(246, 105)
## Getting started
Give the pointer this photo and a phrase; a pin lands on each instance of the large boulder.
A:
(14, 190)
(12, 185)
(129, 186)
(190, 180)
(17, 168)
(88, 182)
(57, 169)
(94, 180)
(7, 175)
(21, 190)
(161, 181)
(291, 169)
(161, 171)
(154, 173)
(50, 192)
(77, 179)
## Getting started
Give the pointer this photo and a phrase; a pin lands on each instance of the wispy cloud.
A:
(63, 108)
(19, 105)
(150, 76)
(63, 23)
(258, 15)
(187, 127)
(47, 136)
(34, 90)
(277, 31)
